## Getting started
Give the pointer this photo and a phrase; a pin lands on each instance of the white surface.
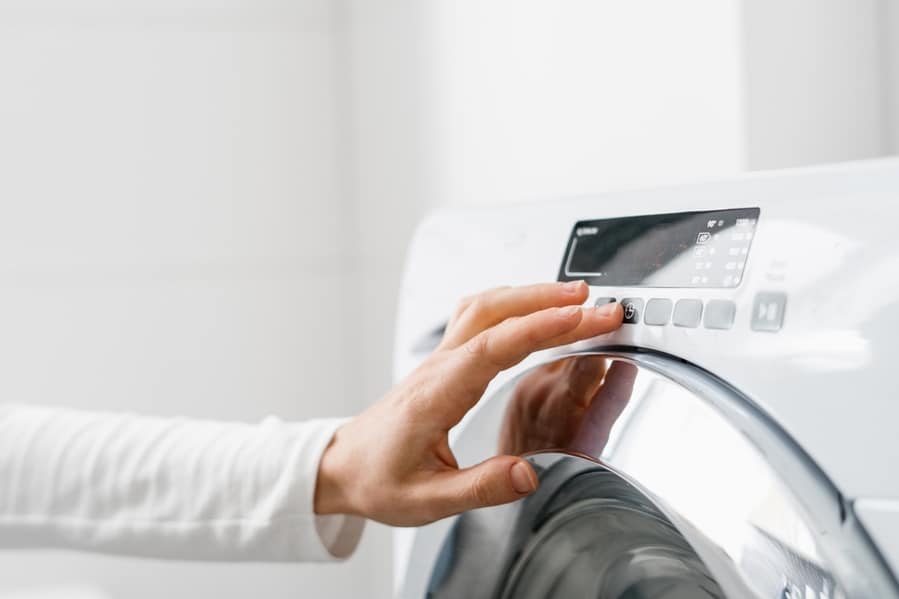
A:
(881, 519)
(815, 83)
(533, 99)
(889, 23)
(58, 592)
(170, 195)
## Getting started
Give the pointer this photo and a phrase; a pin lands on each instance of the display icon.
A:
(699, 251)
(711, 224)
(703, 238)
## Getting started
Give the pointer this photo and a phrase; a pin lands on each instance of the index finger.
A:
(510, 342)
(496, 305)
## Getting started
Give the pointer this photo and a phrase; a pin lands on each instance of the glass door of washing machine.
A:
(657, 482)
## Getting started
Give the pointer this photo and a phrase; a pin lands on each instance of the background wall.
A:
(204, 205)
(173, 240)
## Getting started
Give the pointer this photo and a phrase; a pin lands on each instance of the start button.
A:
(768, 311)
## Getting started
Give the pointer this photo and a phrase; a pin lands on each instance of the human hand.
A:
(393, 462)
(570, 404)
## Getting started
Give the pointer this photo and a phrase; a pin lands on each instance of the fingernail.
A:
(573, 286)
(569, 311)
(607, 309)
(523, 478)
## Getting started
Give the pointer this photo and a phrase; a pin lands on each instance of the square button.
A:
(768, 311)
(688, 313)
(658, 312)
(633, 309)
(719, 314)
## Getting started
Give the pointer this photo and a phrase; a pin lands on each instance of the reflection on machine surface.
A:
(649, 490)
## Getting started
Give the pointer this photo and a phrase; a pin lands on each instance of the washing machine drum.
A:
(600, 538)
(657, 481)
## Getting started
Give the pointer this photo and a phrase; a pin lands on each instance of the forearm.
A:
(178, 489)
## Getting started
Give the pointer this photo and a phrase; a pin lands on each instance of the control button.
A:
(602, 301)
(632, 307)
(719, 314)
(658, 312)
(768, 311)
(688, 313)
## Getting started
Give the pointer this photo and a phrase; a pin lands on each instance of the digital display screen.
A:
(684, 249)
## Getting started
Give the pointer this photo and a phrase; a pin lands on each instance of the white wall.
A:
(889, 35)
(383, 68)
(816, 85)
(534, 99)
(171, 241)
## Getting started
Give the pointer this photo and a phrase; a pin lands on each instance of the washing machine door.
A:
(658, 481)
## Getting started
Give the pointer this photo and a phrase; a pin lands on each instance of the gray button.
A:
(602, 301)
(658, 312)
(719, 314)
(768, 311)
(633, 307)
(688, 313)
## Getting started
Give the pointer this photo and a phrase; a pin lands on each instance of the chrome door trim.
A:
(846, 543)
(843, 544)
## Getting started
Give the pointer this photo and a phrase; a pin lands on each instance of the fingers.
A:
(581, 380)
(613, 397)
(480, 312)
(496, 481)
(511, 341)
(504, 345)
(595, 321)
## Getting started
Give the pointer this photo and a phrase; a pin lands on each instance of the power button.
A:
(633, 309)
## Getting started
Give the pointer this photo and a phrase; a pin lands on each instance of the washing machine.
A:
(738, 437)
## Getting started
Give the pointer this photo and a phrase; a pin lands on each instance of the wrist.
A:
(330, 484)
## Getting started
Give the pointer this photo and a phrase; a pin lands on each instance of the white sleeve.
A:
(166, 488)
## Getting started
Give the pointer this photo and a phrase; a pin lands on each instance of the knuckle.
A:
(480, 490)
(477, 345)
(479, 348)
(479, 305)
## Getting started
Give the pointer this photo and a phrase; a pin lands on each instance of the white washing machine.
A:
(740, 436)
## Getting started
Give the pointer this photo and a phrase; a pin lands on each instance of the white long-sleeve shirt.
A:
(166, 488)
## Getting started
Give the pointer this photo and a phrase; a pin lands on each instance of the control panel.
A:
(768, 311)
(685, 250)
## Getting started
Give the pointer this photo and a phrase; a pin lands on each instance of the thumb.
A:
(499, 480)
